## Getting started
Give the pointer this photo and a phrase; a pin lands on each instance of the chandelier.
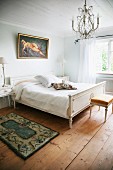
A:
(85, 21)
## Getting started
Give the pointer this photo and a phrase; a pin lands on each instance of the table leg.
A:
(14, 103)
(106, 109)
(9, 101)
(90, 110)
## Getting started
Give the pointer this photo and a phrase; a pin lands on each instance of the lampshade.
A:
(2, 60)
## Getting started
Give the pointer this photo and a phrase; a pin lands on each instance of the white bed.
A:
(63, 103)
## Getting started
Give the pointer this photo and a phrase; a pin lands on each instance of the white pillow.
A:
(47, 80)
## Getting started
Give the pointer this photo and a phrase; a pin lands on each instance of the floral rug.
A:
(24, 136)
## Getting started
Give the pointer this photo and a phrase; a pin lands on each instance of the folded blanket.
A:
(60, 86)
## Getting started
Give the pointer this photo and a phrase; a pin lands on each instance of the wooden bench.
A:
(102, 100)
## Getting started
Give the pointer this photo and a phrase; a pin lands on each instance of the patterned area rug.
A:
(24, 136)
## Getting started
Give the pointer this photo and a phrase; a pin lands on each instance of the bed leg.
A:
(90, 110)
(70, 122)
(14, 103)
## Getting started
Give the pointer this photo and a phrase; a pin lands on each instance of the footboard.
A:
(81, 101)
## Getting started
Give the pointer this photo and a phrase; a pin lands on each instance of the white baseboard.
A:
(110, 93)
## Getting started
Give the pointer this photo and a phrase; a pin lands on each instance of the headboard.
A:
(14, 80)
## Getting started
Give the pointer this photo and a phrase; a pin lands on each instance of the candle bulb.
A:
(72, 23)
(98, 19)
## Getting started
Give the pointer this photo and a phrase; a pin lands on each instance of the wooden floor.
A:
(88, 145)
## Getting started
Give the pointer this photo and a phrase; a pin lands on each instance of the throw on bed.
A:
(60, 86)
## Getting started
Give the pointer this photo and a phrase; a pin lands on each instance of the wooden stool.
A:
(102, 100)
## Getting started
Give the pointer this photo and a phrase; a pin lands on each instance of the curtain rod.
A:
(101, 36)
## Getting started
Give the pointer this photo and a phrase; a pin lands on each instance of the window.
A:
(104, 56)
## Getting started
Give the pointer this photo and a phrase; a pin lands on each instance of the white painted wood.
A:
(82, 100)
(5, 100)
(77, 103)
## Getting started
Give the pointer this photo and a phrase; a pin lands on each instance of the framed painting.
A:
(30, 47)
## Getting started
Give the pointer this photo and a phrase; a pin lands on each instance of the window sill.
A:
(103, 73)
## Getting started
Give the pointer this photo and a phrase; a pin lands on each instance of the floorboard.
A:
(86, 146)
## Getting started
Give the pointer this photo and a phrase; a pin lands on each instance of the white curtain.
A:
(87, 63)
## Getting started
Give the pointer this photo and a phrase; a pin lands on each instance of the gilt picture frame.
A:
(30, 47)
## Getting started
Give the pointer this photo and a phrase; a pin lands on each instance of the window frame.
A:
(109, 52)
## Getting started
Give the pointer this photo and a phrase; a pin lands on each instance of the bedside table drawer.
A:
(4, 102)
(5, 97)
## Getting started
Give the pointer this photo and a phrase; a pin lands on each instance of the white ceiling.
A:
(52, 16)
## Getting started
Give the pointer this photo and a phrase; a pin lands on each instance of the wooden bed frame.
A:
(77, 102)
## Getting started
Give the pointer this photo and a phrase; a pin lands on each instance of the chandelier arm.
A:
(73, 26)
(90, 7)
(90, 14)
(96, 27)
(92, 30)
(80, 9)
(79, 30)
(91, 22)
(89, 32)
(74, 30)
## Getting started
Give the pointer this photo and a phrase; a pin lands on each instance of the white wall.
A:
(18, 67)
(71, 54)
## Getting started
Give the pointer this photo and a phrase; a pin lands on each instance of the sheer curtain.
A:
(87, 64)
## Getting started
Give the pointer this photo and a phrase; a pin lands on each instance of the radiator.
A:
(109, 83)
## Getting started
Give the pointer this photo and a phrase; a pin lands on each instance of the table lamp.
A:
(61, 61)
(3, 61)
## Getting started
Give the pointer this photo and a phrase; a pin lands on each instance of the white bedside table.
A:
(5, 92)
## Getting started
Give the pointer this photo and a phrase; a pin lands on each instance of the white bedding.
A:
(49, 99)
